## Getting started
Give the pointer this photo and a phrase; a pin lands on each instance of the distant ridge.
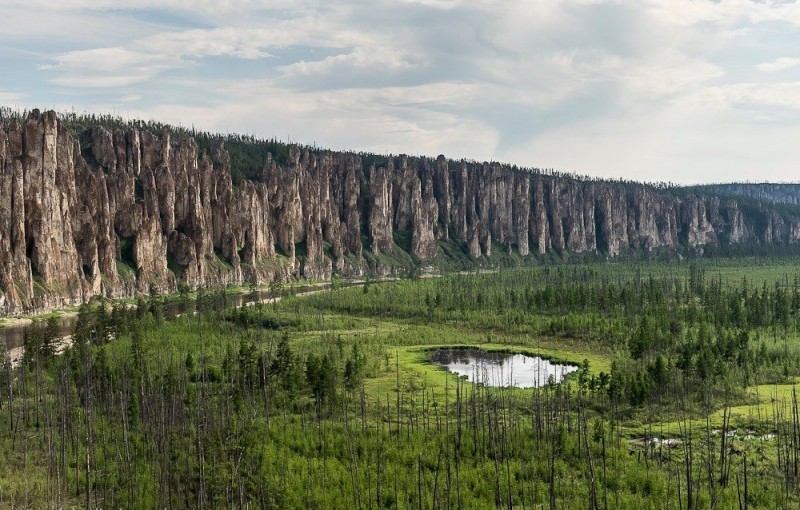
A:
(777, 193)
(95, 206)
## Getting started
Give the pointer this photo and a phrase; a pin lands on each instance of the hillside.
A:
(97, 206)
(778, 193)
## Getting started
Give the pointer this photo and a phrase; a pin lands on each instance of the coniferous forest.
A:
(684, 395)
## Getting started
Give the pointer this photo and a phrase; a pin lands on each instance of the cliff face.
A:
(127, 212)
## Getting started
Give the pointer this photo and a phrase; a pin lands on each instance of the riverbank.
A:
(18, 325)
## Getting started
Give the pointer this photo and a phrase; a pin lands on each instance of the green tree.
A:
(354, 368)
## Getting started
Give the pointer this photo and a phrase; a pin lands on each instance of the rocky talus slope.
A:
(130, 212)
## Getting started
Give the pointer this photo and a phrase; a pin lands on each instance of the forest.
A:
(684, 395)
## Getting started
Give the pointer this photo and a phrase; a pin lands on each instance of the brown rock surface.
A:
(121, 212)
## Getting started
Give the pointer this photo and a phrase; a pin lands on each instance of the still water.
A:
(501, 369)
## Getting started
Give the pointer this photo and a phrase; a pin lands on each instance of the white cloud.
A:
(10, 97)
(110, 67)
(212, 6)
(684, 145)
(671, 74)
(780, 95)
(375, 57)
(779, 64)
(383, 120)
(145, 58)
(726, 12)
(41, 31)
(604, 86)
(439, 4)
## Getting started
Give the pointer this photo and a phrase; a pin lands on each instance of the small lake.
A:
(501, 369)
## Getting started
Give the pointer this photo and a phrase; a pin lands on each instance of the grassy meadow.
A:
(685, 396)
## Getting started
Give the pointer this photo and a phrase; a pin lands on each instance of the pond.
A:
(501, 369)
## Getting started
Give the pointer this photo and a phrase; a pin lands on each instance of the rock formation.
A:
(128, 212)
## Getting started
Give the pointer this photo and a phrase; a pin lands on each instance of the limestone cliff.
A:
(128, 212)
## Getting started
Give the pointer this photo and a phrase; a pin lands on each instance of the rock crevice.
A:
(127, 212)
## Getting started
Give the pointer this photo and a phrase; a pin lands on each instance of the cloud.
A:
(144, 59)
(780, 95)
(672, 74)
(377, 58)
(211, 6)
(561, 83)
(727, 12)
(10, 97)
(392, 119)
(779, 64)
(110, 67)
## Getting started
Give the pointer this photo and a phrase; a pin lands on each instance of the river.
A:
(13, 334)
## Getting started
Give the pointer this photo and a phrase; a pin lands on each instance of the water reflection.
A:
(13, 335)
(501, 369)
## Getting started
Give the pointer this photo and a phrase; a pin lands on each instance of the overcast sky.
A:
(654, 90)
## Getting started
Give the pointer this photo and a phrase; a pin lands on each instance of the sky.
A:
(651, 90)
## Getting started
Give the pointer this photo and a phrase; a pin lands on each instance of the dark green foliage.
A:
(287, 405)
(354, 369)
(321, 378)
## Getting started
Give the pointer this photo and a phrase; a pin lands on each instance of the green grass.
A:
(416, 368)
(758, 413)
(394, 326)
(124, 270)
